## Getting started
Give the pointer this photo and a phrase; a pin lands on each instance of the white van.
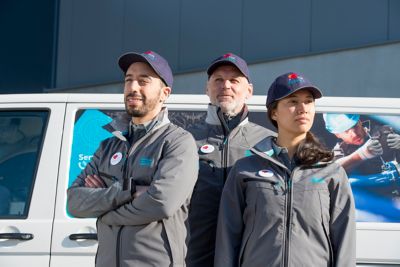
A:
(47, 139)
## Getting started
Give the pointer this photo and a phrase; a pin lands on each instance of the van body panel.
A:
(54, 231)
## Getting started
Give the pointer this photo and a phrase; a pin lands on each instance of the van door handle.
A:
(16, 236)
(88, 236)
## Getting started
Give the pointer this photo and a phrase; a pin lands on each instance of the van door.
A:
(30, 141)
(75, 239)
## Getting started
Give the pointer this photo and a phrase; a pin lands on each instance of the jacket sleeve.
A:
(342, 224)
(230, 222)
(85, 202)
(172, 186)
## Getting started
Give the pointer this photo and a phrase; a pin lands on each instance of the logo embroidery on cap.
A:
(150, 55)
(207, 149)
(116, 158)
(294, 78)
(265, 173)
(229, 57)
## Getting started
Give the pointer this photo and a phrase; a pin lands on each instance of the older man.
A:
(224, 137)
(140, 181)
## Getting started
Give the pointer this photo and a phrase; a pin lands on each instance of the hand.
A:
(140, 189)
(371, 149)
(94, 181)
(393, 140)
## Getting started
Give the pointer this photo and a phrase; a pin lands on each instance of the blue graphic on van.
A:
(88, 133)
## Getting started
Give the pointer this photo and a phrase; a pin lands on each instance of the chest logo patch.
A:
(206, 149)
(316, 180)
(265, 173)
(116, 158)
(146, 162)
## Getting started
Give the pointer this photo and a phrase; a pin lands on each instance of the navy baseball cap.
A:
(158, 63)
(229, 59)
(287, 84)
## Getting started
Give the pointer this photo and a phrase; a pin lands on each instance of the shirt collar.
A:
(281, 153)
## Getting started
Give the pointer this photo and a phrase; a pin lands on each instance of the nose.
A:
(227, 84)
(132, 87)
(302, 108)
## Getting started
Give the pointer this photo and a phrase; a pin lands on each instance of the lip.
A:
(301, 119)
(224, 96)
(133, 98)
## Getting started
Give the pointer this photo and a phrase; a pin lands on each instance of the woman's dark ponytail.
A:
(311, 151)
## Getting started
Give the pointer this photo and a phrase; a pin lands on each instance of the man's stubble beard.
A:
(147, 106)
(229, 108)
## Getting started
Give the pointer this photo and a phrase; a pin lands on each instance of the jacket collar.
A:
(119, 127)
(213, 119)
(265, 149)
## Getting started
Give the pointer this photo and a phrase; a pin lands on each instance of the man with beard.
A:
(225, 136)
(140, 181)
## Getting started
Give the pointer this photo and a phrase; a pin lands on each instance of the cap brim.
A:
(220, 63)
(314, 90)
(126, 60)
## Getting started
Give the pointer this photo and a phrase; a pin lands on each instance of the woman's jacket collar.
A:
(265, 149)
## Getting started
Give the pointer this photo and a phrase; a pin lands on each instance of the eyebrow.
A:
(140, 76)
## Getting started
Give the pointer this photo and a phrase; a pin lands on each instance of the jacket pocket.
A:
(325, 227)
(176, 250)
(246, 238)
(272, 184)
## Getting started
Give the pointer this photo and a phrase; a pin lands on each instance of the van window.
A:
(375, 181)
(89, 132)
(21, 137)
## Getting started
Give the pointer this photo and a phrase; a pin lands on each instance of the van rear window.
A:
(21, 137)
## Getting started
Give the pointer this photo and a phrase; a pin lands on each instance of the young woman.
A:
(287, 204)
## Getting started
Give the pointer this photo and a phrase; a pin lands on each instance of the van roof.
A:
(257, 100)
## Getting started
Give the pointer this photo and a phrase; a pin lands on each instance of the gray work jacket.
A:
(149, 230)
(271, 216)
(218, 150)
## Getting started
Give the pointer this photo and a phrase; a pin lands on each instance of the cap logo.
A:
(229, 57)
(294, 78)
(149, 55)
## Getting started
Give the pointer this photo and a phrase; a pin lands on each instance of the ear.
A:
(207, 93)
(249, 91)
(273, 115)
(165, 92)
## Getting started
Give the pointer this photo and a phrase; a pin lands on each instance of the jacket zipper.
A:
(124, 171)
(225, 157)
(288, 218)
